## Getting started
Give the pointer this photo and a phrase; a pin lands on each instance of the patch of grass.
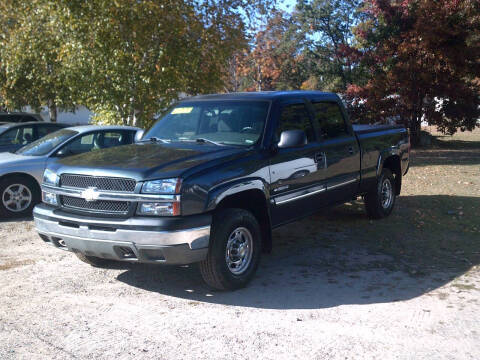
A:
(466, 287)
(15, 263)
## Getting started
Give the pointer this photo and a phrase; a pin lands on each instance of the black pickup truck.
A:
(213, 176)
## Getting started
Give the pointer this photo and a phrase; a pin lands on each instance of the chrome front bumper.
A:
(134, 239)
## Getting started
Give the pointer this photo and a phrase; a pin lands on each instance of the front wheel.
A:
(234, 251)
(380, 201)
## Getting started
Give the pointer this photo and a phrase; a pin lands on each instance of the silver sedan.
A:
(21, 173)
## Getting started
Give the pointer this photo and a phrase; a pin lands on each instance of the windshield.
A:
(220, 122)
(46, 144)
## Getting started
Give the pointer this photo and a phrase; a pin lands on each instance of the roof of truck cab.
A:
(85, 128)
(24, 124)
(266, 95)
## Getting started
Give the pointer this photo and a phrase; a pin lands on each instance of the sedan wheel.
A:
(17, 198)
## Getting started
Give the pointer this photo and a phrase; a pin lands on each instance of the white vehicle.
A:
(21, 173)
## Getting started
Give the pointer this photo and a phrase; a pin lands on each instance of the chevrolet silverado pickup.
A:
(213, 176)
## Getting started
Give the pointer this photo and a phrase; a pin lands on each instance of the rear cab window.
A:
(330, 119)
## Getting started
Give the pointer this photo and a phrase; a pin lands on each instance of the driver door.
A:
(296, 174)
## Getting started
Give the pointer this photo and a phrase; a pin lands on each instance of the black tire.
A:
(376, 205)
(227, 225)
(93, 260)
(11, 183)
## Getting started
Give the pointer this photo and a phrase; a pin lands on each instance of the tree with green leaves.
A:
(125, 59)
(326, 41)
(31, 57)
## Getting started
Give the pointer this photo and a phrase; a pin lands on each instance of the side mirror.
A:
(139, 135)
(292, 138)
(63, 153)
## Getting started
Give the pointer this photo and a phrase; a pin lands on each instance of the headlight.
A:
(49, 177)
(49, 198)
(159, 209)
(163, 186)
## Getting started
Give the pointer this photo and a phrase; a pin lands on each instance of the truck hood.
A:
(144, 161)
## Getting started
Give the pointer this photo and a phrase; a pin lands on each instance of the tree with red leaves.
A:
(271, 63)
(424, 60)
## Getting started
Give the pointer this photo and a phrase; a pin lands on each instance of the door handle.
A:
(351, 151)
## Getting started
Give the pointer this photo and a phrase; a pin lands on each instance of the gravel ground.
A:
(313, 298)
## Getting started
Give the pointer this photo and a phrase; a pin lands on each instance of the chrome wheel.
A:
(387, 193)
(17, 198)
(239, 251)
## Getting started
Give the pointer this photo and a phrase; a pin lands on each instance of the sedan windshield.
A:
(212, 122)
(46, 144)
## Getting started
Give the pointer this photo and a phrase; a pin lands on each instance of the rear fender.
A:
(391, 159)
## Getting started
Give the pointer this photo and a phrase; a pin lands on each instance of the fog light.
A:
(49, 198)
(158, 209)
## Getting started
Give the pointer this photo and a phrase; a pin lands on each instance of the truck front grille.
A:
(100, 182)
(111, 207)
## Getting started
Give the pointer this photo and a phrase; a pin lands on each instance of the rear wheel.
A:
(18, 196)
(234, 251)
(379, 203)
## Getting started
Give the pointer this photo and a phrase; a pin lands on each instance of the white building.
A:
(81, 116)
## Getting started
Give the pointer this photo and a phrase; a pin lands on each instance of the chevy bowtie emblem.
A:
(90, 194)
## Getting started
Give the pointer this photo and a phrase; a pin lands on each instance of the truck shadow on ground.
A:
(351, 261)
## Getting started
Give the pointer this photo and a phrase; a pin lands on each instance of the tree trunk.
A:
(415, 129)
(52, 111)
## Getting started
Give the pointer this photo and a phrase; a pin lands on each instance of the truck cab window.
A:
(330, 118)
(295, 117)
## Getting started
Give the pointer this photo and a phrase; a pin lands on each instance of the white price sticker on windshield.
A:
(182, 110)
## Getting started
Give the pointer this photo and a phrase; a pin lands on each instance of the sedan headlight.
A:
(50, 177)
(162, 186)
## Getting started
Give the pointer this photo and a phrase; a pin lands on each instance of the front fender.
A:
(217, 194)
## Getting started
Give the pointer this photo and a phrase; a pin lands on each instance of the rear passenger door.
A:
(341, 150)
(297, 174)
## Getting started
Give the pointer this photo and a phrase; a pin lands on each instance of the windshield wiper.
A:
(154, 139)
(203, 140)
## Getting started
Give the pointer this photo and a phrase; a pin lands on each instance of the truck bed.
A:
(365, 129)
